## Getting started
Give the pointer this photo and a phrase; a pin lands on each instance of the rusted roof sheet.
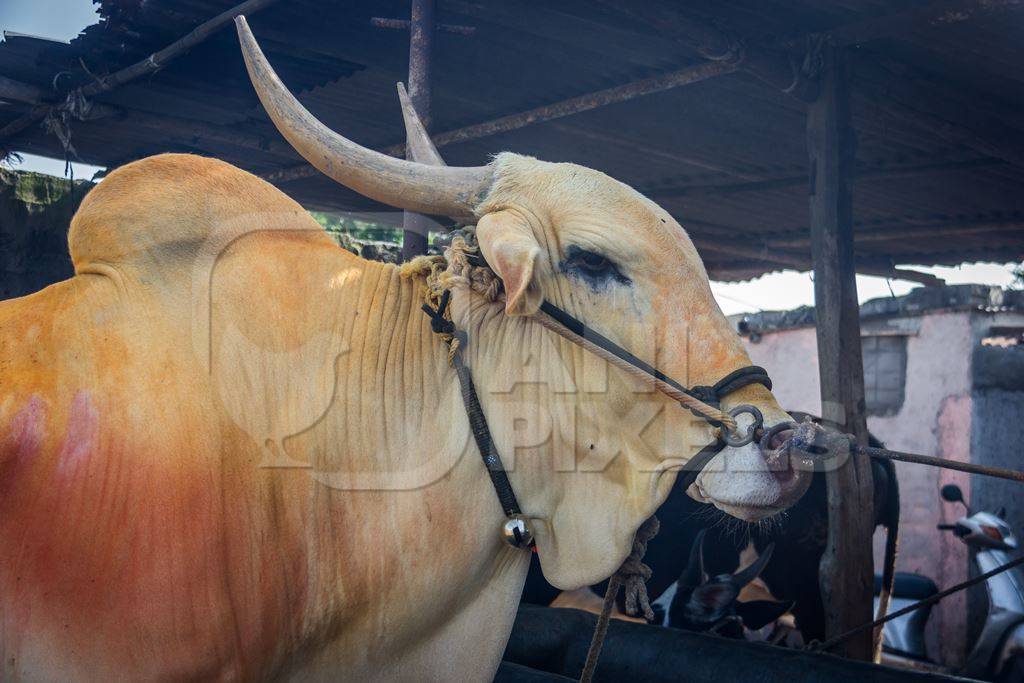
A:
(726, 156)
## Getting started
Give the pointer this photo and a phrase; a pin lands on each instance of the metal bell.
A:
(516, 531)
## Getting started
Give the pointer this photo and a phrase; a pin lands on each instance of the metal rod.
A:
(549, 112)
(886, 454)
(421, 47)
(831, 642)
(154, 62)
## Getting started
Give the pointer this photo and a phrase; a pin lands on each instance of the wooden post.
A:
(421, 43)
(847, 568)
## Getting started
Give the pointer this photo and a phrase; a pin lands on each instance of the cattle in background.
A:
(799, 536)
(704, 602)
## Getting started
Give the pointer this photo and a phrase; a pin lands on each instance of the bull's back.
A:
(136, 540)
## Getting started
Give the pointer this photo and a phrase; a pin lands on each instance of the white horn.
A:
(451, 191)
(421, 147)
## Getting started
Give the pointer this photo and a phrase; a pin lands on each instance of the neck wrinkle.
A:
(403, 369)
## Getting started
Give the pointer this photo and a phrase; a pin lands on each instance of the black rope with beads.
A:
(471, 401)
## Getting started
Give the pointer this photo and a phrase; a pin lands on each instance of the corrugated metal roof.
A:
(726, 156)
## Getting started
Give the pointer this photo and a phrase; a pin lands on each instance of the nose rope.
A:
(568, 327)
(463, 265)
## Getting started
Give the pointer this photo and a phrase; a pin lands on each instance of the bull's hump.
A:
(163, 212)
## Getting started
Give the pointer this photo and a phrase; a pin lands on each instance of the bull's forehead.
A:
(569, 194)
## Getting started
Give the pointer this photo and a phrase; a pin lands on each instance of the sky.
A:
(63, 19)
(54, 19)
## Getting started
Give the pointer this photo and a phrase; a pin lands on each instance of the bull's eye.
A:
(593, 268)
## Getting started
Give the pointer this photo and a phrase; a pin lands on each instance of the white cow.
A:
(212, 329)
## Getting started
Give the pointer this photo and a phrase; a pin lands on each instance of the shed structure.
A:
(935, 91)
(894, 122)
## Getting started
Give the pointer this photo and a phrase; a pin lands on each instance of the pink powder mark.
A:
(80, 440)
(28, 429)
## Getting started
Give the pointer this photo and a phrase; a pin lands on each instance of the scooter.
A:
(998, 653)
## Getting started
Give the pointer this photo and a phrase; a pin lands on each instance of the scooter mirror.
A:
(951, 493)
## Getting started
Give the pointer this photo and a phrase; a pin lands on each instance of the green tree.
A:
(362, 231)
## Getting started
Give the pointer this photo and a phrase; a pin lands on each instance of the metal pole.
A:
(421, 43)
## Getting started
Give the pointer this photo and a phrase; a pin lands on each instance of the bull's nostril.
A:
(776, 454)
(778, 439)
(784, 473)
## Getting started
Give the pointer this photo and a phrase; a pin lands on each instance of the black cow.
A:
(703, 602)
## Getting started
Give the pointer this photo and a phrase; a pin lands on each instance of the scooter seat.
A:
(909, 586)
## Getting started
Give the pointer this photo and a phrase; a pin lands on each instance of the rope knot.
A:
(708, 396)
(438, 324)
(634, 573)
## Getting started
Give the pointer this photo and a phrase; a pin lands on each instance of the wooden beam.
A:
(548, 112)
(26, 93)
(151, 64)
(415, 227)
(16, 91)
(847, 569)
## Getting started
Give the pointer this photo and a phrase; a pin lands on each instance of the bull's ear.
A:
(511, 250)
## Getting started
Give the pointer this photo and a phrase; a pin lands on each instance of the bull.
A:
(230, 449)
